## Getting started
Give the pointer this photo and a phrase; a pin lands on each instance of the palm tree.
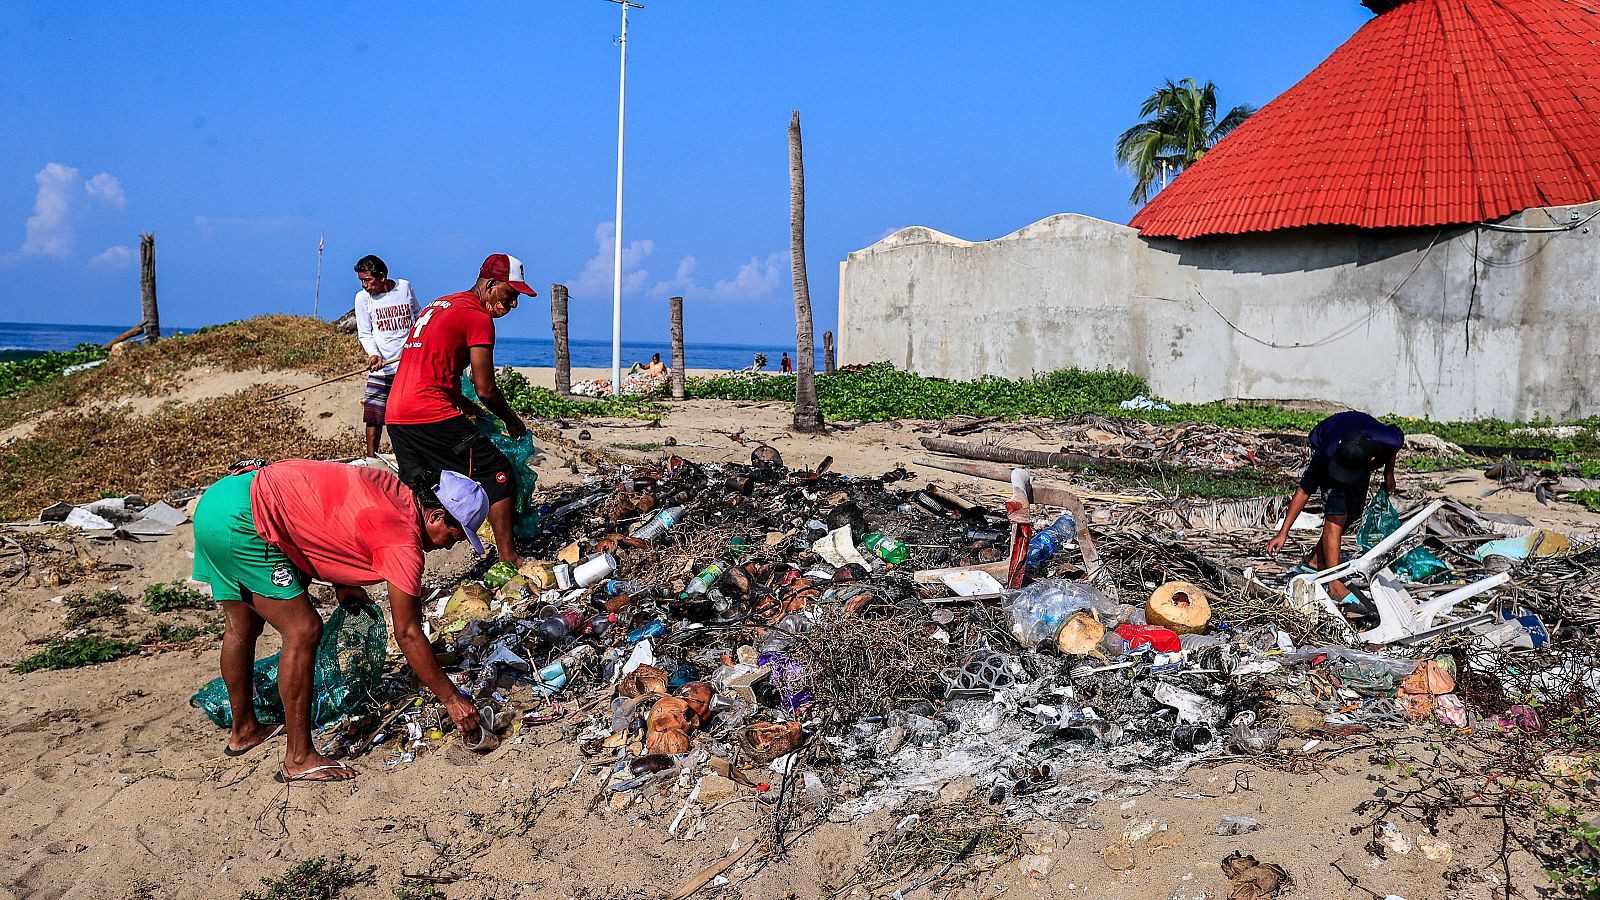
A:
(807, 412)
(1180, 125)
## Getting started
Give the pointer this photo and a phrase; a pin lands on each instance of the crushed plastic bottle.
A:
(1049, 541)
(659, 523)
(891, 550)
(1039, 610)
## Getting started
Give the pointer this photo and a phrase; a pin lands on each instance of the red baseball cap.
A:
(503, 267)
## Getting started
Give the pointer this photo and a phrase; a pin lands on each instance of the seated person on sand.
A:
(261, 535)
(657, 368)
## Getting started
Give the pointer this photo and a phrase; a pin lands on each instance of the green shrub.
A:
(318, 878)
(160, 598)
(88, 650)
(23, 373)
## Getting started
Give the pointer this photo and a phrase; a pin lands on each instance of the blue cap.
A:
(464, 499)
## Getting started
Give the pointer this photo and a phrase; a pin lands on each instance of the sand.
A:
(108, 779)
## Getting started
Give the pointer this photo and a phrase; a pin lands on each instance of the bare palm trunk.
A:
(147, 286)
(558, 329)
(676, 311)
(807, 413)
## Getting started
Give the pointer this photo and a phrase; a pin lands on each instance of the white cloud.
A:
(49, 229)
(596, 275)
(113, 258)
(209, 226)
(105, 188)
(756, 280)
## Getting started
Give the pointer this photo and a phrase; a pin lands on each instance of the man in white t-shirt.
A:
(385, 309)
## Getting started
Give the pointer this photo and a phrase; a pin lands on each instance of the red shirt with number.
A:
(427, 386)
(343, 524)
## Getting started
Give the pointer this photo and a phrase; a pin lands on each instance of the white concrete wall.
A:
(1375, 320)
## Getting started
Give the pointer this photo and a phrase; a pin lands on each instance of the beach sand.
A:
(109, 780)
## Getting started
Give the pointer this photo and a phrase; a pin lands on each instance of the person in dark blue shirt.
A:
(1346, 448)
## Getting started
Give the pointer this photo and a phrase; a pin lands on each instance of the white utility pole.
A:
(616, 266)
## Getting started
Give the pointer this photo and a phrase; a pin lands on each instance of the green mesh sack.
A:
(525, 513)
(1379, 522)
(349, 664)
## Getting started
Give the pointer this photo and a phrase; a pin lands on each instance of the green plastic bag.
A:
(525, 522)
(1379, 522)
(348, 667)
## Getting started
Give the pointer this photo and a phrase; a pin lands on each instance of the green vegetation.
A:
(879, 392)
(415, 889)
(88, 650)
(1590, 499)
(318, 878)
(1233, 484)
(1426, 462)
(104, 605)
(641, 447)
(160, 598)
(166, 633)
(537, 402)
(21, 374)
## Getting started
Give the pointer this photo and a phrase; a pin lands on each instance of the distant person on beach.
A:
(262, 534)
(385, 309)
(1346, 448)
(657, 367)
(785, 367)
(428, 415)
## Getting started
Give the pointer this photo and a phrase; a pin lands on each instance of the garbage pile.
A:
(746, 629)
(632, 383)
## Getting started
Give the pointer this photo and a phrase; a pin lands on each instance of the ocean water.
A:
(20, 339)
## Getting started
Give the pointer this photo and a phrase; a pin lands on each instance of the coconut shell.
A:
(1080, 635)
(642, 681)
(699, 695)
(668, 726)
(470, 601)
(1179, 606)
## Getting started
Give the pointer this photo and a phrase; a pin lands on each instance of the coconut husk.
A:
(764, 742)
(642, 681)
(1080, 635)
(698, 694)
(668, 726)
(1179, 606)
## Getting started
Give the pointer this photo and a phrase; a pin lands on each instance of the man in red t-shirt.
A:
(427, 414)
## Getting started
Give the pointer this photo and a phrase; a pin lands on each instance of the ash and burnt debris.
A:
(766, 628)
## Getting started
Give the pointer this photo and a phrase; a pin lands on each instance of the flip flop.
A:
(308, 775)
(229, 751)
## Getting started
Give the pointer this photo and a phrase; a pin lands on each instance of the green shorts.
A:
(229, 554)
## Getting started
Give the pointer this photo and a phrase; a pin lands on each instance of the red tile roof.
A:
(1435, 112)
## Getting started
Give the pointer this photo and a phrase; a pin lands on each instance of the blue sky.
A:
(432, 137)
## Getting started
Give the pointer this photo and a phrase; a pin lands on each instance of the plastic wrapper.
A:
(348, 666)
(1039, 610)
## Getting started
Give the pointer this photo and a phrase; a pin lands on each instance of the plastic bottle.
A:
(707, 578)
(1048, 542)
(891, 550)
(659, 523)
(617, 588)
(645, 632)
(561, 624)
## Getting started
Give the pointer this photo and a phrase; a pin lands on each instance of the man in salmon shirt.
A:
(261, 535)
(428, 415)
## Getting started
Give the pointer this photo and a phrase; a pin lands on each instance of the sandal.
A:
(310, 774)
(229, 751)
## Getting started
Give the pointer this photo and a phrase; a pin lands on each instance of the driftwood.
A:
(1030, 458)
